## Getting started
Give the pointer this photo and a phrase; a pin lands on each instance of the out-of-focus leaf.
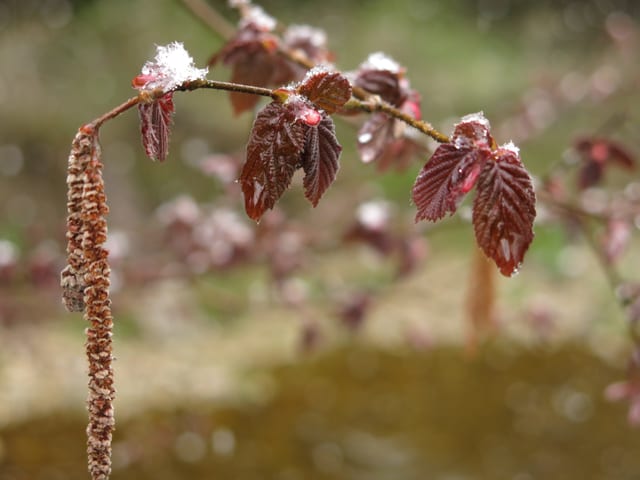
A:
(597, 154)
(374, 137)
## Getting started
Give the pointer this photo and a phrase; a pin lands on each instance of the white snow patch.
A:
(256, 16)
(511, 147)
(365, 137)
(171, 67)
(374, 214)
(381, 61)
(476, 117)
(301, 33)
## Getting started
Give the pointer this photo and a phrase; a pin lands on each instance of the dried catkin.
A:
(85, 284)
(84, 147)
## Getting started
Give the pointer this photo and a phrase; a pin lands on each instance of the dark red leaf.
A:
(374, 137)
(504, 210)
(320, 159)
(384, 83)
(253, 56)
(253, 69)
(273, 154)
(329, 91)
(155, 126)
(603, 150)
(597, 154)
(621, 156)
(310, 41)
(445, 179)
(387, 141)
(473, 131)
(590, 174)
(384, 140)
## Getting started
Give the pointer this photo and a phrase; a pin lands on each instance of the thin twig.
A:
(116, 111)
(228, 86)
(375, 104)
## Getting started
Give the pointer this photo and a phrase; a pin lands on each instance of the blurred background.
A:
(341, 342)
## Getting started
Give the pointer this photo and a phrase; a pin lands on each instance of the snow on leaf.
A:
(273, 154)
(256, 17)
(504, 210)
(445, 179)
(477, 117)
(155, 126)
(171, 67)
(312, 42)
(327, 90)
(320, 159)
(381, 61)
(473, 131)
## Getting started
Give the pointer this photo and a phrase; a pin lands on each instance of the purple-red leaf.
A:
(374, 137)
(155, 126)
(384, 83)
(273, 154)
(385, 140)
(597, 154)
(320, 159)
(445, 179)
(253, 55)
(327, 90)
(473, 131)
(310, 41)
(504, 210)
(250, 69)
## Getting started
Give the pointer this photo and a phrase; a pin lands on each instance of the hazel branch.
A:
(373, 103)
(148, 96)
(362, 100)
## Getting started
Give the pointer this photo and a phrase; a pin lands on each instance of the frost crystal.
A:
(476, 117)
(318, 69)
(171, 67)
(381, 61)
(511, 147)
